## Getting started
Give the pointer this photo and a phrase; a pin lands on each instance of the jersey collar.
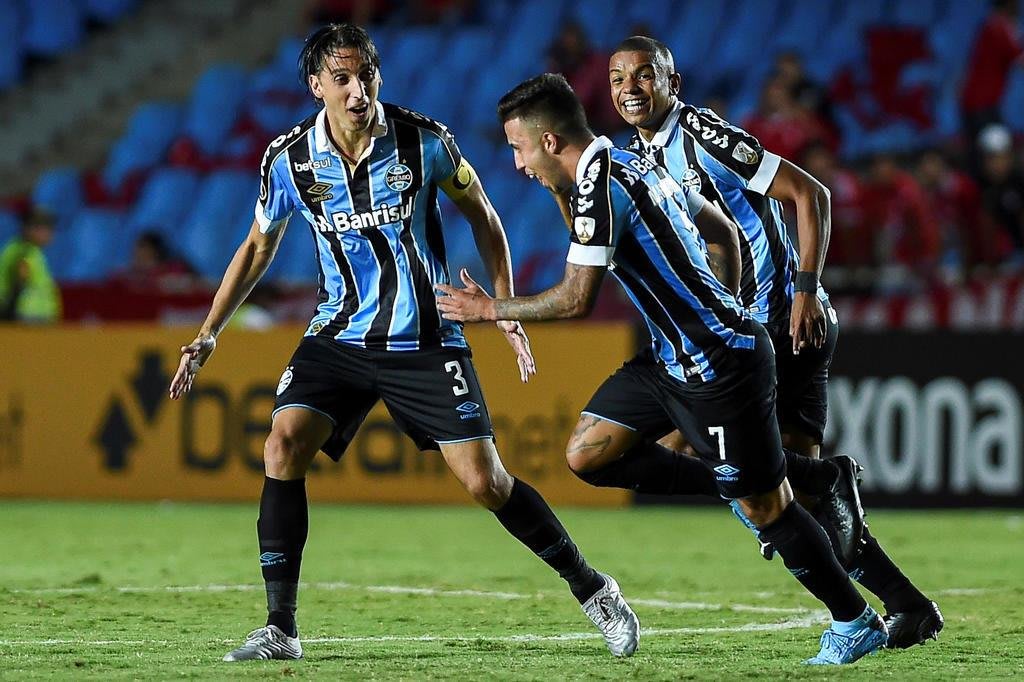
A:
(664, 133)
(323, 141)
(597, 145)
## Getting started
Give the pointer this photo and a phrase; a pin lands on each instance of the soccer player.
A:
(712, 368)
(366, 175)
(779, 287)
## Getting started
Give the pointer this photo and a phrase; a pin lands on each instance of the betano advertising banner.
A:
(84, 414)
(936, 418)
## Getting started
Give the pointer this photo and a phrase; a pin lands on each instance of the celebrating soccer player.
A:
(779, 287)
(712, 366)
(365, 176)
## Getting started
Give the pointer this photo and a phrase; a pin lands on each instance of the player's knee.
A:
(763, 509)
(489, 489)
(283, 455)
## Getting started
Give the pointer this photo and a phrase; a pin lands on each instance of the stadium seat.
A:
(217, 220)
(95, 235)
(1013, 101)
(10, 44)
(601, 21)
(800, 30)
(9, 226)
(735, 51)
(52, 26)
(164, 202)
(215, 104)
(144, 144)
(59, 190)
(109, 11)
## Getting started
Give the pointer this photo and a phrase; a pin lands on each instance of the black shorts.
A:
(433, 395)
(802, 404)
(730, 421)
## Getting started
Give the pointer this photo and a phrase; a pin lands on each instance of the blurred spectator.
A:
(789, 69)
(956, 204)
(850, 243)
(28, 292)
(155, 268)
(1002, 191)
(781, 124)
(361, 12)
(586, 69)
(996, 47)
(254, 314)
(905, 235)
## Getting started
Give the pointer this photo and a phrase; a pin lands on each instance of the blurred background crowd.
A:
(133, 132)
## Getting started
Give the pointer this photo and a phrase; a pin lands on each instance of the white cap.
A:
(995, 139)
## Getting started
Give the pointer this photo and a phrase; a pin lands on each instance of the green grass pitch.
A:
(161, 591)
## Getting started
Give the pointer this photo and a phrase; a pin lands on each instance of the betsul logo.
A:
(398, 177)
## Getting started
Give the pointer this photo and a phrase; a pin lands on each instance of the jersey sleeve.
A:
(594, 234)
(275, 204)
(734, 156)
(447, 157)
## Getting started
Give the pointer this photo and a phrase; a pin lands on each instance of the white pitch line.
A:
(423, 591)
(813, 618)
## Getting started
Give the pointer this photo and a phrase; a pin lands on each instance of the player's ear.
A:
(675, 82)
(314, 86)
(551, 143)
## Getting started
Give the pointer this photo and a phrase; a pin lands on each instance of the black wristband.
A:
(806, 282)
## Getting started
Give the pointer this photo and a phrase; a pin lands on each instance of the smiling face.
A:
(348, 85)
(642, 88)
(534, 149)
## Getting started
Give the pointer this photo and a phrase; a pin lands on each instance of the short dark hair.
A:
(548, 97)
(38, 216)
(657, 49)
(323, 42)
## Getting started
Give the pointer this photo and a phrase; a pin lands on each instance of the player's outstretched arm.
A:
(249, 263)
(492, 245)
(573, 297)
(814, 226)
(722, 237)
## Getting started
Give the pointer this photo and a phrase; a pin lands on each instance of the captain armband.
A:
(460, 181)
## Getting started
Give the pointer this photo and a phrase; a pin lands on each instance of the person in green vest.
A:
(28, 292)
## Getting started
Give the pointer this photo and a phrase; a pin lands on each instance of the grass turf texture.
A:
(65, 567)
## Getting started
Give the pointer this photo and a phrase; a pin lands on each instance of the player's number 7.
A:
(454, 366)
(719, 433)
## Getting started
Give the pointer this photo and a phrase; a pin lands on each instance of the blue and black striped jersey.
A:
(730, 168)
(629, 215)
(376, 228)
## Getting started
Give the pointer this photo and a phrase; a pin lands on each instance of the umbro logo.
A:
(320, 191)
(272, 558)
(727, 470)
(468, 406)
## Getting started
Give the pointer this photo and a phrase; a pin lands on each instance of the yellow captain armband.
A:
(460, 181)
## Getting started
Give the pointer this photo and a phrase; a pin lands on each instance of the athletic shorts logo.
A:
(469, 409)
(691, 179)
(743, 153)
(727, 472)
(286, 379)
(584, 228)
(398, 177)
(272, 558)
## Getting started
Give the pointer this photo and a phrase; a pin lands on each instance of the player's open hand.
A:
(520, 342)
(193, 356)
(806, 322)
(471, 304)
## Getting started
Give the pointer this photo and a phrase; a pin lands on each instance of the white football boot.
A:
(266, 643)
(613, 617)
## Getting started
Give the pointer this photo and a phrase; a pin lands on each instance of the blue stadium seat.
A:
(144, 144)
(59, 190)
(269, 105)
(52, 26)
(522, 45)
(1013, 101)
(655, 14)
(218, 219)
(9, 226)
(801, 29)
(601, 22)
(109, 11)
(164, 203)
(10, 44)
(95, 235)
(696, 28)
(735, 50)
(216, 101)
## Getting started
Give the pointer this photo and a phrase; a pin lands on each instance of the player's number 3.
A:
(455, 368)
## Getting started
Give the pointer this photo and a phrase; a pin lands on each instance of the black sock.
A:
(810, 475)
(807, 553)
(282, 529)
(654, 469)
(875, 570)
(530, 520)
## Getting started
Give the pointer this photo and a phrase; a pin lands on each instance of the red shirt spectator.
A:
(782, 125)
(850, 241)
(956, 202)
(996, 48)
(903, 225)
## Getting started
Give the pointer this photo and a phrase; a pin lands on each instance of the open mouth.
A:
(634, 105)
(360, 110)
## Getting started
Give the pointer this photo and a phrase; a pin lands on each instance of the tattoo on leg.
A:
(579, 443)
